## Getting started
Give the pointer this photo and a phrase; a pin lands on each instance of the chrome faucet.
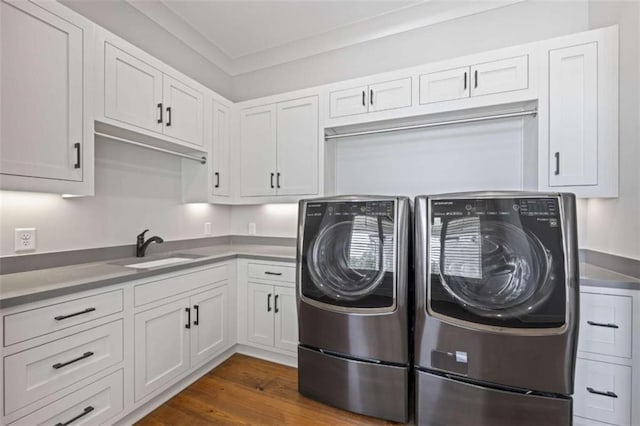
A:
(141, 244)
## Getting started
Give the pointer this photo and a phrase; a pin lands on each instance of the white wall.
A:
(135, 189)
(613, 225)
(127, 22)
(511, 25)
(272, 220)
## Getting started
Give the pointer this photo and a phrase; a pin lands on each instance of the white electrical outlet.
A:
(252, 228)
(25, 239)
(207, 228)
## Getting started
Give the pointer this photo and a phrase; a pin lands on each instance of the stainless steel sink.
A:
(156, 261)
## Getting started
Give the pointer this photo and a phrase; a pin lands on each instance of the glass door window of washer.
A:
(348, 255)
(497, 262)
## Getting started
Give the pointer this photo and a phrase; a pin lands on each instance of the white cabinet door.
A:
(573, 115)
(209, 317)
(444, 85)
(42, 93)
(349, 101)
(260, 304)
(132, 90)
(505, 75)
(390, 95)
(161, 346)
(297, 152)
(183, 108)
(258, 151)
(603, 392)
(286, 318)
(220, 150)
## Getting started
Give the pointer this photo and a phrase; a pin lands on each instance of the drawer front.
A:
(605, 324)
(167, 287)
(272, 272)
(93, 404)
(603, 392)
(37, 322)
(40, 371)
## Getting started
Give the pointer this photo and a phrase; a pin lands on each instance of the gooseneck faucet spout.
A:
(141, 244)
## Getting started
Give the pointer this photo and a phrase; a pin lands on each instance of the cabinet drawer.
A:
(603, 392)
(91, 405)
(500, 76)
(37, 322)
(40, 371)
(163, 288)
(267, 271)
(605, 324)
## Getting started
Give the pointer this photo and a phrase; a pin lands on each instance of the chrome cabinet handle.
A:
(62, 317)
(76, 146)
(86, 411)
(272, 273)
(269, 302)
(597, 392)
(64, 364)
(197, 320)
(160, 108)
(188, 324)
(602, 324)
(275, 301)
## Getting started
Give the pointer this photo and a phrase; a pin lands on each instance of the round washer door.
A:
(493, 268)
(348, 260)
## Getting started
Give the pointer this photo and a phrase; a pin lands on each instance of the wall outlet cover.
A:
(252, 228)
(25, 239)
(207, 228)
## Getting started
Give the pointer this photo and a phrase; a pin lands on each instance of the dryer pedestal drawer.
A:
(43, 370)
(94, 404)
(603, 392)
(269, 271)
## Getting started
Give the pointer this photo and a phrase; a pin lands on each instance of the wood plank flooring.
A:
(246, 390)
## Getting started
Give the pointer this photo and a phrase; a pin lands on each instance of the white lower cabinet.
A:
(91, 405)
(603, 392)
(272, 316)
(175, 337)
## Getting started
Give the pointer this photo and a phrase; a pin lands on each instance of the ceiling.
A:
(241, 36)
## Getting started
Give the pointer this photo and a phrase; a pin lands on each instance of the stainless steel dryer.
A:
(353, 304)
(496, 308)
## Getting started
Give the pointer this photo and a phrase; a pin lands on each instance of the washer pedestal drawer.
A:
(441, 401)
(367, 388)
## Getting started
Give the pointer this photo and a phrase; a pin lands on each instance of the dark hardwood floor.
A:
(246, 390)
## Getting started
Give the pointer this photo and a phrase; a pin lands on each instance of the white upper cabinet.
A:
(220, 150)
(184, 109)
(578, 124)
(488, 78)
(132, 90)
(374, 97)
(573, 115)
(258, 151)
(297, 151)
(46, 141)
(500, 76)
(279, 149)
(138, 93)
(444, 85)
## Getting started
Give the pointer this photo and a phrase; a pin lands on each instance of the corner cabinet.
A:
(279, 149)
(46, 143)
(579, 119)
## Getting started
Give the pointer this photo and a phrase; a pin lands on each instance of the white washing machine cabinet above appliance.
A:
(496, 308)
(353, 304)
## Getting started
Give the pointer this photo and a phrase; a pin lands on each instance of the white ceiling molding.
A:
(409, 16)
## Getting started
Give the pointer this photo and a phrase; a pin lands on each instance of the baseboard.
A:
(289, 360)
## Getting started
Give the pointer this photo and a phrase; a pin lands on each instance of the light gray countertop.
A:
(24, 287)
(594, 276)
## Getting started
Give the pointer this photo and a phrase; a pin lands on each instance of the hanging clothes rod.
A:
(532, 112)
(201, 160)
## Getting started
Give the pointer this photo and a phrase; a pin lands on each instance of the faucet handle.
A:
(141, 235)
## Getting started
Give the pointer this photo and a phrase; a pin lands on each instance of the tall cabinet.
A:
(46, 141)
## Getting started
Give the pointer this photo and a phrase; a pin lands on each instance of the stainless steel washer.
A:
(353, 304)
